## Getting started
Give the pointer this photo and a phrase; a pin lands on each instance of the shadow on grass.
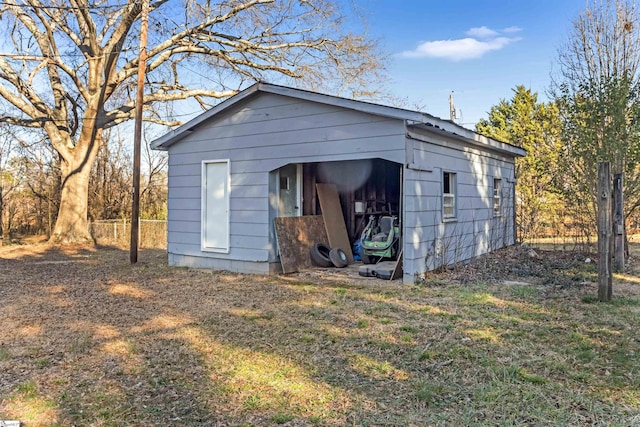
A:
(90, 339)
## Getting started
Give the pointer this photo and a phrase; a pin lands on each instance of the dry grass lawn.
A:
(88, 340)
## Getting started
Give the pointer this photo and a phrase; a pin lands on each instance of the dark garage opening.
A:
(365, 187)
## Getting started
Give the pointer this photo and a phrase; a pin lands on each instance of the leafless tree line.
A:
(30, 183)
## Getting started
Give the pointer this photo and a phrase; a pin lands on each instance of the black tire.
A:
(368, 259)
(320, 255)
(338, 258)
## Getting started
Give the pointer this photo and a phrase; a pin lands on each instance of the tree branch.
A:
(126, 112)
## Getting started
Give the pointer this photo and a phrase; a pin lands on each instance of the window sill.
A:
(214, 250)
(452, 219)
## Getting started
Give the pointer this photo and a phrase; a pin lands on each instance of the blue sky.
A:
(478, 49)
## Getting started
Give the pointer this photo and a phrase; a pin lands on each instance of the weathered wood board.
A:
(296, 236)
(333, 219)
(397, 272)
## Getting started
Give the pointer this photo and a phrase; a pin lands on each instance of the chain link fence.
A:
(572, 228)
(557, 232)
(117, 232)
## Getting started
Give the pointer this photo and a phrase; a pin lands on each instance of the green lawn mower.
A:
(380, 239)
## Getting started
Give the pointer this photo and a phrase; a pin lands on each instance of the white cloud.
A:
(482, 32)
(511, 30)
(482, 40)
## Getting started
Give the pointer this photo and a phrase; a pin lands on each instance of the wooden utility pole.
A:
(604, 232)
(618, 223)
(137, 137)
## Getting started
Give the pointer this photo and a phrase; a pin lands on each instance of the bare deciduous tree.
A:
(71, 67)
(153, 197)
(8, 180)
(110, 180)
(37, 166)
(598, 91)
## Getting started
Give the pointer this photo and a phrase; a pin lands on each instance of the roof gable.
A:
(424, 120)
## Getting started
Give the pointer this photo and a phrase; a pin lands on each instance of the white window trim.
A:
(496, 213)
(203, 210)
(453, 217)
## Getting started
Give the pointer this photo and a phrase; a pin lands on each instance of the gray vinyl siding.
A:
(259, 136)
(430, 241)
(262, 133)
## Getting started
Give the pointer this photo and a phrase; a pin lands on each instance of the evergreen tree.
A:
(534, 126)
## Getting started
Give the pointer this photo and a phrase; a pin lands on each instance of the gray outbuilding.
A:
(258, 155)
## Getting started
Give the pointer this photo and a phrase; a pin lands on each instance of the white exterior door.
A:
(215, 206)
(289, 197)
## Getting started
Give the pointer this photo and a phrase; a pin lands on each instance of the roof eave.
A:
(476, 140)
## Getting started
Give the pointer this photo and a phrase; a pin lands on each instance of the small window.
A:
(284, 183)
(448, 195)
(497, 196)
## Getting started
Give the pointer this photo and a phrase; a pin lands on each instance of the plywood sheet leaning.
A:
(333, 219)
(296, 236)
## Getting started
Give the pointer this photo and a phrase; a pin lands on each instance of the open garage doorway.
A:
(365, 187)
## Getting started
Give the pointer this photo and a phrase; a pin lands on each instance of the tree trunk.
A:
(605, 241)
(618, 222)
(1, 210)
(71, 224)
